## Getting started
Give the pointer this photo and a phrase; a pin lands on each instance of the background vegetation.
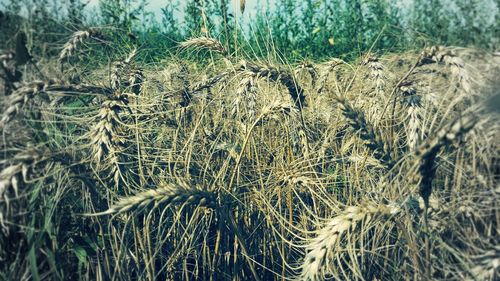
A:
(298, 29)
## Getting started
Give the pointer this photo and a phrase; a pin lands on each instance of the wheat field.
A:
(244, 168)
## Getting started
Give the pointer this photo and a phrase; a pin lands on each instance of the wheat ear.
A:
(366, 131)
(276, 74)
(376, 73)
(412, 101)
(204, 43)
(247, 91)
(105, 138)
(309, 67)
(75, 41)
(327, 239)
(428, 151)
(163, 196)
(440, 54)
(21, 97)
(329, 67)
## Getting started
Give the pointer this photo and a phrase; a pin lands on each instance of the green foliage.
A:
(295, 29)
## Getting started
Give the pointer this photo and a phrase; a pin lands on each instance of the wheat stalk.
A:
(428, 151)
(328, 237)
(7, 56)
(11, 74)
(440, 54)
(118, 68)
(309, 67)
(135, 80)
(242, 6)
(246, 90)
(166, 195)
